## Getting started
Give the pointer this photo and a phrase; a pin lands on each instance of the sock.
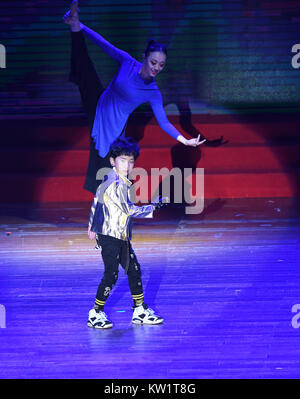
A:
(138, 300)
(99, 305)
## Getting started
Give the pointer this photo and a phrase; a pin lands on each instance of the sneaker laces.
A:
(102, 316)
(150, 311)
(147, 310)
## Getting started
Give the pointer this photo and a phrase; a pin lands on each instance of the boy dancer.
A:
(110, 224)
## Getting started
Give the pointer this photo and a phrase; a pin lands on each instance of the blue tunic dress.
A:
(125, 93)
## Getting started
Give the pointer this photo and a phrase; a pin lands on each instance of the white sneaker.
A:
(144, 315)
(98, 320)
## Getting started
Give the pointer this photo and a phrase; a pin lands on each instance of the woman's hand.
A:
(91, 234)
(195, 142)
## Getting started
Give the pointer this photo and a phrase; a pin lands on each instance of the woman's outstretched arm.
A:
(166, 125)
(115, 53)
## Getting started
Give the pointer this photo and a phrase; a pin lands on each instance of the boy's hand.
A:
(91, 234)
(160, 201)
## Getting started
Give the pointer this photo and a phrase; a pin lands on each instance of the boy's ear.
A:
(112, 161)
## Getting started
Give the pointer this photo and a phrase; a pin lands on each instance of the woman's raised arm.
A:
(71, 18)
(108, 48)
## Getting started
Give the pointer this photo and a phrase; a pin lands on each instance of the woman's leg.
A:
(84, 75)
(82, 72)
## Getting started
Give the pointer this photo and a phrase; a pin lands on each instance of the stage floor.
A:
(226, 282)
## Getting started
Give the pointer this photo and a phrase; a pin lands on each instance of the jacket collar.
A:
(125, 180)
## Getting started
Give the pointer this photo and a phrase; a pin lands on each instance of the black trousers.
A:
(84, 75)
(115, 252)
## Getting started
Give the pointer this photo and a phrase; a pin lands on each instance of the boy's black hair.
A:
(124, 146)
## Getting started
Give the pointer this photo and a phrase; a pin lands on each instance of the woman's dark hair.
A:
(124, 146)
(154, 46)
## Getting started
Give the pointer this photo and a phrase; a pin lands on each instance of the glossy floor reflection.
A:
(225, 282)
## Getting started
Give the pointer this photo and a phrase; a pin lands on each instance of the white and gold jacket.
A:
(112, 209)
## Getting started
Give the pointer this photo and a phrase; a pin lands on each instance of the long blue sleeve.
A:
(160, 115)
(112, 51)
(125, 93)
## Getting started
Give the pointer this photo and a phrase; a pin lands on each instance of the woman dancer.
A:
(108, 110)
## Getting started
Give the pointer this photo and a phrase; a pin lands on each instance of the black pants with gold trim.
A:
(117, 252)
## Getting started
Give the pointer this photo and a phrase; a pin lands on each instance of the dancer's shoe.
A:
(144, 315)
(71, 17)
(98, 320)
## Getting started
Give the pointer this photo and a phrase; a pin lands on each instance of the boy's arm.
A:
(91, 218)
(115, 53)
(119, 196)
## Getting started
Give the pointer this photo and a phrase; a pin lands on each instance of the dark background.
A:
(224, 56)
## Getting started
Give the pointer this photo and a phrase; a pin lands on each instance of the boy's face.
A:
(123, 164)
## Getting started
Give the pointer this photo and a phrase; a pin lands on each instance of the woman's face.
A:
(155, 63)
